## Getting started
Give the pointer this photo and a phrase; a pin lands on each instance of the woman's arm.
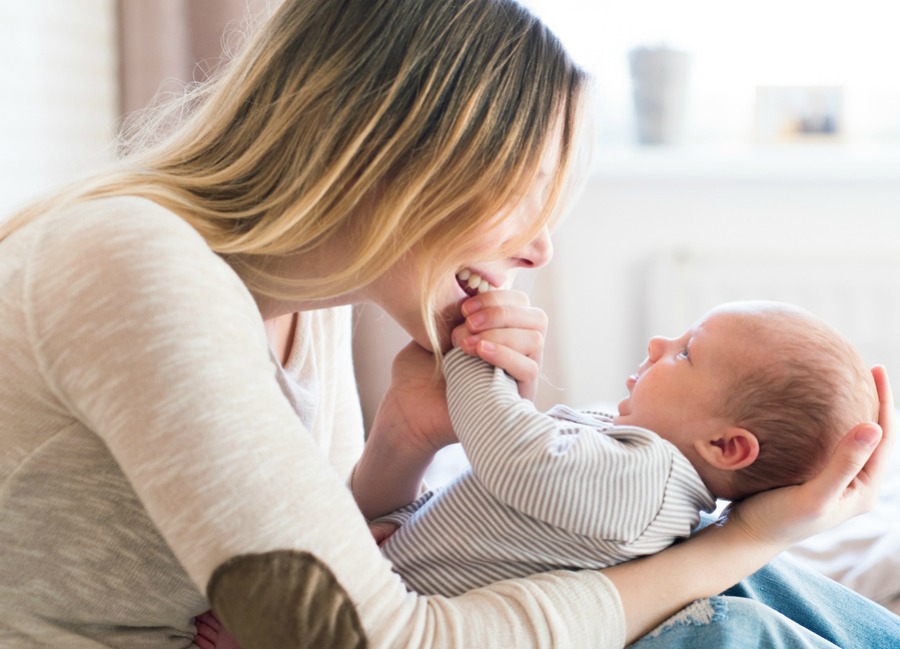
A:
(412, 423)
(261, 494)
(654, 587)
(410, 427)
(223, 467)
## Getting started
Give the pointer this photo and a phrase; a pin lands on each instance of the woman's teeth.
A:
(472, 283)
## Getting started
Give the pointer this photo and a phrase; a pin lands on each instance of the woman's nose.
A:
(538, 252)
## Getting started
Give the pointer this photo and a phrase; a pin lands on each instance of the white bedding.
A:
(863, 553)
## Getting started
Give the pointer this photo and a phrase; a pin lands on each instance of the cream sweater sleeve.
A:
(151, 341)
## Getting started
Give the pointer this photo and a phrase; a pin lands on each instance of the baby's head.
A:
(756, 395)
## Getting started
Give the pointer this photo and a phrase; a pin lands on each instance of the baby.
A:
(754, 396)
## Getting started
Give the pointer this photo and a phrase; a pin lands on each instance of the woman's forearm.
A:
(390, 471)
(655, 587)
(410, 427)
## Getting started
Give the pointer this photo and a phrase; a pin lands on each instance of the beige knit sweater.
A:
(147, 436)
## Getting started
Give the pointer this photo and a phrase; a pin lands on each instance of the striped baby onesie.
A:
(557, 490)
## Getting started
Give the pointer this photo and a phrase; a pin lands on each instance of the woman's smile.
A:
(473, 283)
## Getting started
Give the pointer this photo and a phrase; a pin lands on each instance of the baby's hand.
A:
(502, 328)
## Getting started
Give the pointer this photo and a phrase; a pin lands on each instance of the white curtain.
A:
(166, 43)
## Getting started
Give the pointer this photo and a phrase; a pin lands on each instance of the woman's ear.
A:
(729, 450)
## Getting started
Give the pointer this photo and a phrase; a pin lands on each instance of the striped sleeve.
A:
(566, 473)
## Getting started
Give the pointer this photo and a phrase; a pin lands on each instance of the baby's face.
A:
(679, 389)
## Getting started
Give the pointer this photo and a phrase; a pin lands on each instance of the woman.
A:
(179, 422)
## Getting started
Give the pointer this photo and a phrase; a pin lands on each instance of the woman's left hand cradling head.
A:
(846, 487)
(504, 329)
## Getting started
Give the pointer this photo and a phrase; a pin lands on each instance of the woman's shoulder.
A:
(117, 232)
(130, 247)
(114, 220)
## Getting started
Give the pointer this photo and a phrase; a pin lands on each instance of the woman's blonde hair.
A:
(441, 109)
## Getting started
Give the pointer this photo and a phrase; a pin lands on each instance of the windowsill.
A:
(810, 161)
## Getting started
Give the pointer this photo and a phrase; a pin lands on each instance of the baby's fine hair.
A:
(811, 390)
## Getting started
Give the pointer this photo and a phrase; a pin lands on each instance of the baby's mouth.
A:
(472, 283)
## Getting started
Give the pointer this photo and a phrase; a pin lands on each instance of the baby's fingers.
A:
(502, 310)
(526, 342)
(525, 370)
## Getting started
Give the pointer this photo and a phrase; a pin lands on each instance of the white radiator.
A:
(857, 294)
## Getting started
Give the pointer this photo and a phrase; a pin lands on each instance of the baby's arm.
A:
(533, 462)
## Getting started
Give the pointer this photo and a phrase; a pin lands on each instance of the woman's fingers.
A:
(846, 487)
(850, 475)
(886, 414)
(860, 462)
(875, 466)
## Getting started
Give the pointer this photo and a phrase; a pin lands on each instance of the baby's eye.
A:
(684, 353)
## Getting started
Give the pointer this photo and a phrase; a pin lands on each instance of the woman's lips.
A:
(472, 283)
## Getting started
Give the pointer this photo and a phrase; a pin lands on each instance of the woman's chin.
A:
(420, 336)
(447, 318)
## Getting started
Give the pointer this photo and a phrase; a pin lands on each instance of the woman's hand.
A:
(411, 425)
(654, 587)
(846, 487)
(504, 329)
(415, 403)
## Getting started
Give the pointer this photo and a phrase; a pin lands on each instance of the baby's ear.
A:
(729, 450)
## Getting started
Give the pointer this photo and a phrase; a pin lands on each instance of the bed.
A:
(864, 553)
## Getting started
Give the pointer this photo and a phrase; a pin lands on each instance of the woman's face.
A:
(479, 268)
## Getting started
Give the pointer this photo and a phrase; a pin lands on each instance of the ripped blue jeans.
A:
(782, 606)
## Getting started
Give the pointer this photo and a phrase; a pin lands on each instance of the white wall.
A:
(808, 201)
(59, 94)
(735, 47)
